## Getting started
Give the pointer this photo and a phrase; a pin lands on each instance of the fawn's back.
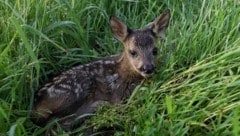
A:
(82, 89)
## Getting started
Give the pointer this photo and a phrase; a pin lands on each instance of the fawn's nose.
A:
(147, 69)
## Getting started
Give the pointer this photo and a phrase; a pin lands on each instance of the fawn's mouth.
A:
(146, 75)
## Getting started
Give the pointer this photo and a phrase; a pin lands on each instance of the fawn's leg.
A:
(63, 96)
(84, 112)
(59, 104)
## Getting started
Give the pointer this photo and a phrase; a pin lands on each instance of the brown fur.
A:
(82, 89)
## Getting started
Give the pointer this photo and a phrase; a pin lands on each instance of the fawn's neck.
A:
(125, 69)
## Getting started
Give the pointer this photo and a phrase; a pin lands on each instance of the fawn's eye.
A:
(133, 53)
(155, 51)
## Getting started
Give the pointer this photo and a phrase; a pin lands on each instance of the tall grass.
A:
(194, 92)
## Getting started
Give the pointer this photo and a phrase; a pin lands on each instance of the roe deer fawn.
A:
(83, 88)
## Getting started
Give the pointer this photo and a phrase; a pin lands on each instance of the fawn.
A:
(83, 88)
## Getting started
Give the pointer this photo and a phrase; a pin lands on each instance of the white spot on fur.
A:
(69, 81)
(59, 79)
(100, 62)
(111, 80)
(110, 71)
(47, 85)
(92, 73)
(101, 70)
(79, 87)
(76, 92)
(65, 86)
(80, 66)
(52, 92)
(108, 62)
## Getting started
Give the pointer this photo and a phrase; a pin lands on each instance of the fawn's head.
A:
(139, 45)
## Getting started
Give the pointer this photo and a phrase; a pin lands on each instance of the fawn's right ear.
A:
(119, 29)
(160, 24)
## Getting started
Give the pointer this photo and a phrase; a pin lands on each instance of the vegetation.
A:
(196, 90)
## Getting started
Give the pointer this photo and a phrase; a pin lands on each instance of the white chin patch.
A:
(146, 75)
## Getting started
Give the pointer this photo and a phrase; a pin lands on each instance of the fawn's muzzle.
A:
(147, 69)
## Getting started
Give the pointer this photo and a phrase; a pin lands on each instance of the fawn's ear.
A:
(160, 24)
(119, 29)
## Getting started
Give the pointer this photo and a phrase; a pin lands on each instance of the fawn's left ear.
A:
(119, 29)
(160, 24)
